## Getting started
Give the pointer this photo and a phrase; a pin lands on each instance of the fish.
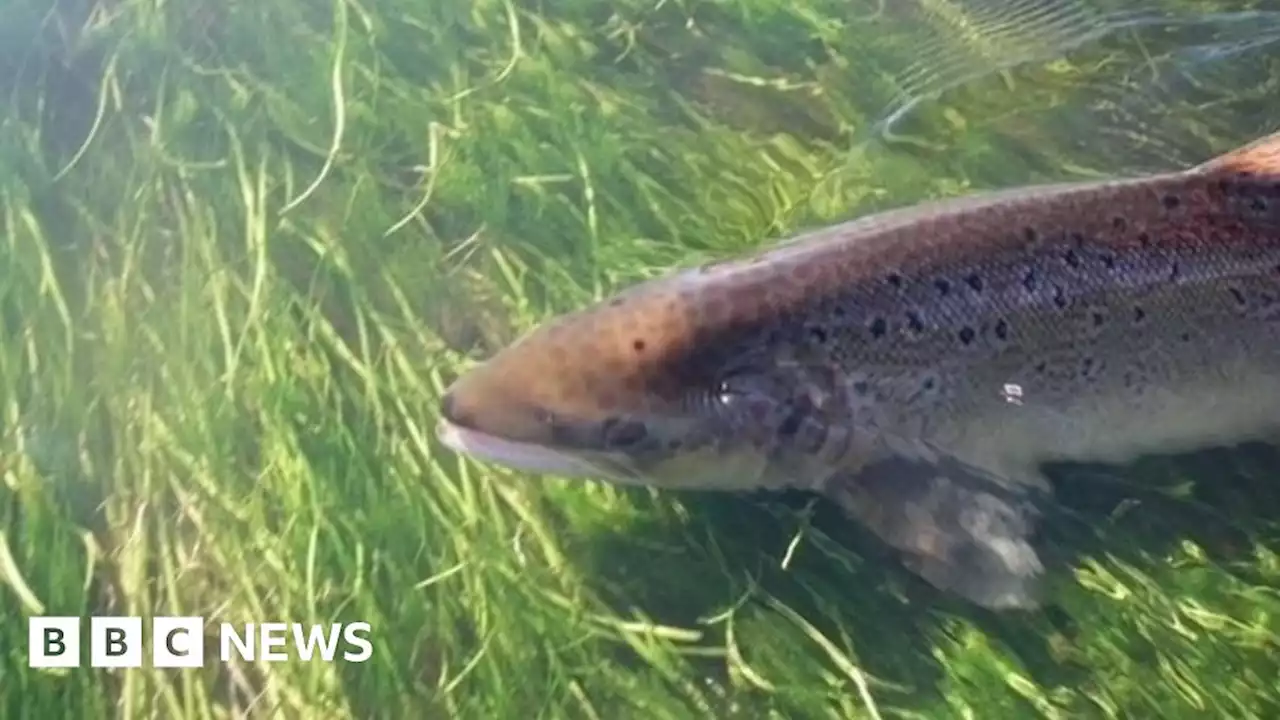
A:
(920, 366)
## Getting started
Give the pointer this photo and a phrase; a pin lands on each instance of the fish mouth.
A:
(527, 457)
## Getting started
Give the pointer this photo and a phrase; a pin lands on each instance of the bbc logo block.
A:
(179, 642)
(115, 642)
(53, 642)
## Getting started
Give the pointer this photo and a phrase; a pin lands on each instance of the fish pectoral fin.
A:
(962, 529)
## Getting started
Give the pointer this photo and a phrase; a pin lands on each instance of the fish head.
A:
(663, 385)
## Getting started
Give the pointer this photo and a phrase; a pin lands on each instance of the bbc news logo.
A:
(178, 642)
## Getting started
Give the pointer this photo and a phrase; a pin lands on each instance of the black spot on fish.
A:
(1041, 367)
(1060, 297)
(879, 327)
(1030, 281)
(1072, 258)
(1002, 330)
(1098, 319)
(1077, 237)
(967, 335)
(1185, 337)
(1144, 239)
(1139, 314)
(1239, 296)
(1030, 234)
(944, 286)
(915, 322)
(896, 281)
(819, 335)
(1175, 271)
(638, 345)
(861, 388)
(1258, 204)
(1120, 223)
(1171, 201)
(975, 282)
(1108, 260)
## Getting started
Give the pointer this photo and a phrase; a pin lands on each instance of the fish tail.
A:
(1260, 157)
(958, 527)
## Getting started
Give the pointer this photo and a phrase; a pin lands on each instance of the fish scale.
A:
(919, 366)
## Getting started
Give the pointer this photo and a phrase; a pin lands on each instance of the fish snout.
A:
(474, 408)
(457, 409)
(488, 402)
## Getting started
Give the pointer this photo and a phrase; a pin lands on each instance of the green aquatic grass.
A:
(246, 244)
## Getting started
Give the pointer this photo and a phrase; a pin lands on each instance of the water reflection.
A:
(1163, 42)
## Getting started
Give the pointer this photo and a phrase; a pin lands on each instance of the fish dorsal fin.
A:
(1260, 157)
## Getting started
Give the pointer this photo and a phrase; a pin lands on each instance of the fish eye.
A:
(722, 396)
(738, 398)
(725, 394)
(733, 391)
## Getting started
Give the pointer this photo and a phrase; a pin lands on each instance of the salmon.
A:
(919, 367)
